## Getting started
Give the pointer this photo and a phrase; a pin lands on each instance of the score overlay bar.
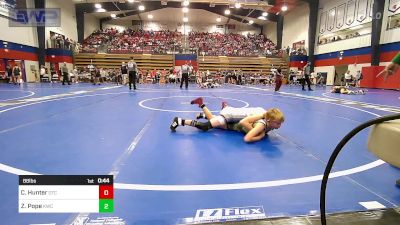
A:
(66, 194)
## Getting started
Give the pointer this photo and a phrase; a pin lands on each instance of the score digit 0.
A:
(106, 192)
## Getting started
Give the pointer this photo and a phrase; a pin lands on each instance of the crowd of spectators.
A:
(393, 24)
(338, 38)
(165, 42)
(231, 44)
(295, 51)
(130, 41)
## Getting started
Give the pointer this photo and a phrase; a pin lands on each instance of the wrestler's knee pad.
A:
(203, 126)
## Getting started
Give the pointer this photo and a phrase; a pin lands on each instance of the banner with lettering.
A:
(331, 19)
(394, 6)
(322, 24)
(362, 10)
(351, 11)
(340, 15)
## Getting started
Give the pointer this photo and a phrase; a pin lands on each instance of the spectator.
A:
(306, 76)
(348, 78)
(64, 70)
(9, 74)
(17, 74)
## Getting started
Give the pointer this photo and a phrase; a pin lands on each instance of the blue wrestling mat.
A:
(190, 176)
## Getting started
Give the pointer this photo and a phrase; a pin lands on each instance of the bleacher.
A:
(144, 61)
(260, 65)
(159, 62)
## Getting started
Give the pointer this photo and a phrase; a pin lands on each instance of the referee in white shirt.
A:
(132, 71)
(185, 75)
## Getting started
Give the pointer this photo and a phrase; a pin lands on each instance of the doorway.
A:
(339, 74)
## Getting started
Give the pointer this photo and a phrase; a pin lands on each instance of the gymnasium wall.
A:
(389, 35)
(354, 52)
(295, 26)
(21, 35)
(269, 31)
(91, 24)
(68, 19)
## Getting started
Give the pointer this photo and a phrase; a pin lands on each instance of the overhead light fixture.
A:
(227, 12)
(141, 7)
(185, 19)
(284, 8)
(186, 3)
(251, 22)
(131, 1)
(185, 9)
(218, 19)
(150, 16)
(101, 10)
(264, 14)
(113, 15)
(238, 5)
(97, 6)
(262, 18)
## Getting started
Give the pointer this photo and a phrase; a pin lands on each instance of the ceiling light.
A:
(185, 9)
(101, 10)
(251, 22)
(113, 15)
(238, 5)
(185, 19)
(284, 8)
(218, 19)
(186, 2)
(262, 18)
(227, 12)
(150, 16)
(131, 1)
(264, 14)
(141, 7)
(97, 6)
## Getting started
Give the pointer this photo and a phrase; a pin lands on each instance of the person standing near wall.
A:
(306, 78)
(16, 74)
(132, 71)
(124, 73)
(42, 72)
(278, 78)
(358, 77)
(348, 78)
(9, 74)
(64, 71)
